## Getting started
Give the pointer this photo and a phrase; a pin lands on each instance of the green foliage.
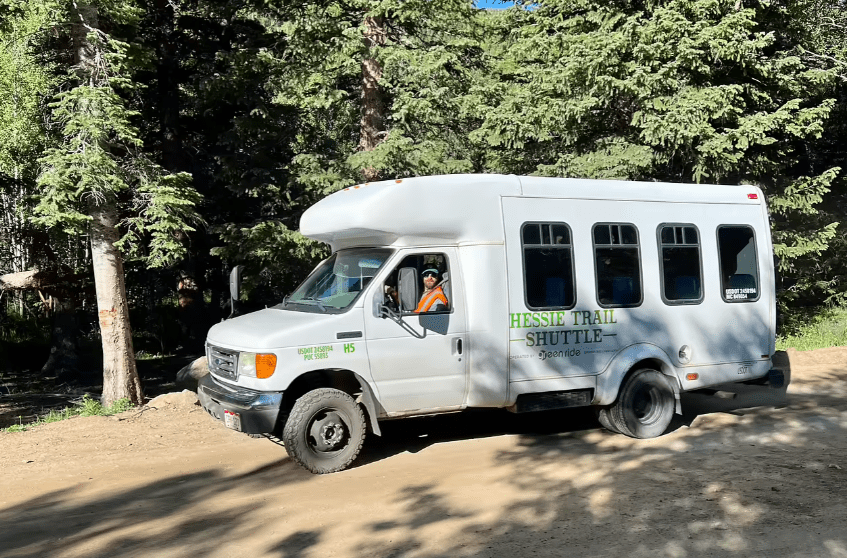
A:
(811, 331)
(233, 118)
(20, 427)
(90, 407)
(680, 91)
(87, 407)
(100, 155)
(56, 415)
(94, 121)
(276, 257)
(25, 77)
(163, 208)
(428, 61)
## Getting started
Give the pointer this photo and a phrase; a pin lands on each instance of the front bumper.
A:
(258, 410)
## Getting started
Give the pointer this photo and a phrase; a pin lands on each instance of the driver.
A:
(433, 298)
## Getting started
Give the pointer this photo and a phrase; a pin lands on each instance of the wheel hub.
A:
(328, 431)
(646, 405)
(332, 433)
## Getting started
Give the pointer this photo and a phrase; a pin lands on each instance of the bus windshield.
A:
(338, 281)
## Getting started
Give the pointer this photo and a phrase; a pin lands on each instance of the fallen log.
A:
(24, 280)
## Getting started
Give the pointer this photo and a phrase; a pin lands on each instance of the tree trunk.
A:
(63, 362)
(190, 270)
(120, 377)
(167, 77)
(372, 124)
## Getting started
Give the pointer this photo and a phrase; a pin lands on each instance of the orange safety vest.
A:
(429, 300)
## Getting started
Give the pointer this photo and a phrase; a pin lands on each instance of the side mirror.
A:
(407, 288)
(235, 287)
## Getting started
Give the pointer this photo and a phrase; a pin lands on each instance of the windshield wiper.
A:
(316, 301)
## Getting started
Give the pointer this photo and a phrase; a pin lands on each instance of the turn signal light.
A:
(690, 377)
(265, 365)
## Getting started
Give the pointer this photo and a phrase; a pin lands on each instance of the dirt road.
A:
(762, 474)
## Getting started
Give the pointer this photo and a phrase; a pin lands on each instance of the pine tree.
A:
(374, 90)
(87, 174)
(699, 91)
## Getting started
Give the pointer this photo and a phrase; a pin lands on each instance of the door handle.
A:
(457, 346)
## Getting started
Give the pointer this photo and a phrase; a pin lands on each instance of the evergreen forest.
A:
(147, 147)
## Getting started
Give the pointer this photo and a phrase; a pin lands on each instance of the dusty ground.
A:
(763, 474)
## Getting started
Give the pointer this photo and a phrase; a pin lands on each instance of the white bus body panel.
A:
(728, 341)
(488, 352)
(302, 342)
(423, 372)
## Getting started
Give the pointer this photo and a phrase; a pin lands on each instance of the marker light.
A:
(691, 377)
(752, 196)
(265, 365)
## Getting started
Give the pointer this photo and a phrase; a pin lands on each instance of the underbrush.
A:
(88, 407)
(826, 329)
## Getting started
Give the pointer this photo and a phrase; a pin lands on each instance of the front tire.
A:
(645, 405)
(324, 431)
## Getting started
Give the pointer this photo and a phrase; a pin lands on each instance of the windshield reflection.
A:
(338, 281)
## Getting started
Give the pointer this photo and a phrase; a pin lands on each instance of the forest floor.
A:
(26, 395)
(764, 473)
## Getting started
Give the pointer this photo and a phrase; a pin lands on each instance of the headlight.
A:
(256, 365)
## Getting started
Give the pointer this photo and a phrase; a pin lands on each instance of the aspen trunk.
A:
(372, 124)
(120, 377)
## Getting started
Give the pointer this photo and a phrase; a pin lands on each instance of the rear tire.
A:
(604, 417)
(324, 431)
(645, 405)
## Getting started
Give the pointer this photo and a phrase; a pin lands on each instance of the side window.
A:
(548, 266)
(739, 268)
(679, 249)
(433, 277)
(617, 263)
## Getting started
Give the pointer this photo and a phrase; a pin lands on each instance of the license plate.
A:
(232, 420)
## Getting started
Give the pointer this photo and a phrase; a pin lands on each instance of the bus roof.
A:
(465, 208)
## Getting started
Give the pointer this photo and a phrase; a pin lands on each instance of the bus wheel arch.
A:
(664, 391)
(342, 380)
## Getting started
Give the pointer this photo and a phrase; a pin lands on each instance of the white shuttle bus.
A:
(449, 292)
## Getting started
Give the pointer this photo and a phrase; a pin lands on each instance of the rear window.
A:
(739, 266)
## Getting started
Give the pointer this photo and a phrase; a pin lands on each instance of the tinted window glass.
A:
(739, 270)
(680, 251)
(602, 235)
(532, 234)
(548, 267)
(618, 264)
(561, 235)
